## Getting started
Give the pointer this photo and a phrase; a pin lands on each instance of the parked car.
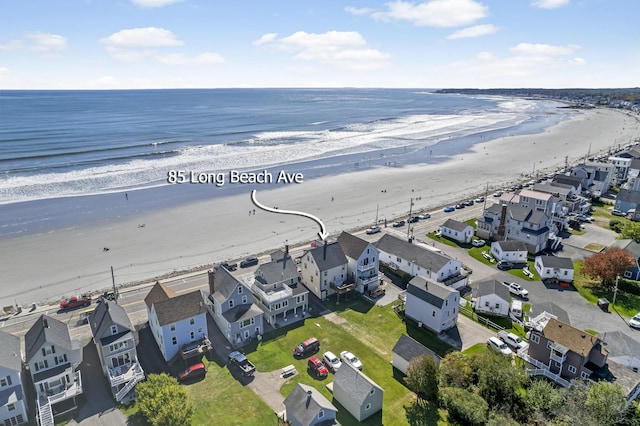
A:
(498, 194)
(512, 340)
(308, 347)
(413, 219)
(398, 223)
(498, 345)
(617, 212)
(584, 218)
(331, 361)
(479, 200)
(468, 203)
(518, 290)
(227, 265)
(424, 216)
(449, 209)
(347, 356)
(242, 363)
(504, 265)
(316, 367)
(459, 206)
(478, 243)
(249, 261)
(373, 230)
(75, 302)
(192, 372)
(635, 321)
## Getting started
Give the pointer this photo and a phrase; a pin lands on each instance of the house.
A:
(568, 195)
(554, 268)
(633, 249)
(562, 353)
(357, 393)
(572, 181)
(516, 222)
(362, 262)
(305, 406)
(595, 177)
(13, 405)
(419, 259)
(177, 321)
(407, 349)
(52, 358)
(232, 309)
(114, 337)
(509, 251)
(323, 270)
(276, 291)
(492, 297)
(456, 230)
(623, 349)
(432, 304)
(627, 201)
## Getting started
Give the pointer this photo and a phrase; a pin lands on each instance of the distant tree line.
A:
(622, 94)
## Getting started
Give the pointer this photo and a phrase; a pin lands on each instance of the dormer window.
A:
(114, 329)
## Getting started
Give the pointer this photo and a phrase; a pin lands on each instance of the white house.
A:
(52, 358)
(356, 392)
(509, 251)
(415, 260)
(114, 337)
(623, 349)
(515, 222)
(407, 349)
(363, 262)
(456, 230)
(177, 321)
(13, 405)
(323, 270)
(431, 304)
(492, 297)
(305, 406)
(554, 268)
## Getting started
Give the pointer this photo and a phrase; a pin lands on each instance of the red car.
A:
(193, 371)
(317, 367)
(75, 302)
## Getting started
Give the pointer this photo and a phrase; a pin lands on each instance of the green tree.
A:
(422, 378)
(605, 403)
(455, 371)
(498, 382)
(163, 402)
(631, 230)
(543, 400)
(464, 406)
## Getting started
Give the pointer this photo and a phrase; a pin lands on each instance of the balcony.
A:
(271, 296)
(125, 373)
(364, 268)
(67, 391)
(373, 279)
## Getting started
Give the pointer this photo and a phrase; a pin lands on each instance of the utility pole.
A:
(115, 291)
(408, 221)
(615, 292)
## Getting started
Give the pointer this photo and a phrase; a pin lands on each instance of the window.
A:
(42, 365)
(239, 289)
(244, 299)
(549, 343)
(326, 273)
(11, 407)
(535, 338)
(557, 364)
(433, 314)
(61, 359)
(497, 306)
(174, 340)
(230, 303)
(373, 390)
(192, 321)
(320, 414)
(200, 330)
(486, 303)
(367, 407)
(627, 274)
(172, 327)
(584, 375)
(192, 335)
(572, 369)
(5, 381)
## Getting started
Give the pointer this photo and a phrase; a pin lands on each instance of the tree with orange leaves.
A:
(608, 265)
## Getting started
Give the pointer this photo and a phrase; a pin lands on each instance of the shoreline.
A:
(194, 235)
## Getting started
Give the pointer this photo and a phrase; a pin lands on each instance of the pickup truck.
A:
(75, 302)
(242, 363)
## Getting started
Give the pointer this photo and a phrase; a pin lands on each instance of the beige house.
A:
(323, 270)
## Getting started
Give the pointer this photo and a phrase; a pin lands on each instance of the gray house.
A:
(357, 393)
(305, 406)
(406, 350)
(363, 262)
(431, 304)
(231, 306)
(13, 406)
(323, 270)
(492, 297)
(627, 201)
(114, 337)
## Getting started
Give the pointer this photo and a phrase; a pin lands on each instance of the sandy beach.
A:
(48, 266)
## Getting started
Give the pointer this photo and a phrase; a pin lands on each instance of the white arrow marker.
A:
(323, 234)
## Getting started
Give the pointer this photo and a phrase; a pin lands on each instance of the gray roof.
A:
(46, 330)
(411, 349)
(281, 268)
(431, 292)
(628, 245)
(328, 256)
(180, 307)
(352, 246)
(628, 196)
(574, 181)
(556, 262)
(305, 411)
(551, 308)
(106, 314)
(600, 175)
(635, 164)
(553, 188)
(524, 214)
(7, 392)
(222, 284)
(354, 383)
(620, 344)
(512, 245)
(241, 312)
(488, 287)
(456, 225)
(494, 208)
(427, 259)
(10, 355)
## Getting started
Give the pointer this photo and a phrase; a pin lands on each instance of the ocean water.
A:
(61, 152)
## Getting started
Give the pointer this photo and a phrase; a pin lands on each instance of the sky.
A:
(144, 44)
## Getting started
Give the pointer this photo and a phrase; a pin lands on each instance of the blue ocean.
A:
(63, 154)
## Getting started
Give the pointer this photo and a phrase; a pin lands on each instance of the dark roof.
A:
(223, 284)
(488, 287)
(106, 314)
(525, 214)
(628, 196)
(328, 256)
(635, 164)
(570, 337)
(352, 246)
(7, 392)
(410, 349)
(241, 312)
(46, 330)
(551, 308)
(427, 259)
(180, 307)
(574, 181)
(512, 245)
(305, 408)
(629, 245)
(554, 188)
(44, 374)
(600, 175)
(354, 383)
(456, 225)
(494, 208)
(556, 262)
(10, 356)
(158, 292)
(279, 269)
(431, 292)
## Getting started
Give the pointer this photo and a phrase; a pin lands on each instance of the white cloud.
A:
(45, 42)
(343, 49)
(11, 45)
(142, 37)
(267, 38)
(182, 59)
(154, 3)
(434, 13)
(359, 10)
(475, 31)
(549, 4)
(529, 49)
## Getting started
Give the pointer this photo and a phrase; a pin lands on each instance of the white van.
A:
(516, 308)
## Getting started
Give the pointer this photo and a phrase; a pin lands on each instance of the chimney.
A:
(324, 251)
(45, 322)
(309, 394)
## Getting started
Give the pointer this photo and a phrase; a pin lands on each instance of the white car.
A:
(347, 356)
(518, 290)
(424, 216)
(373, 230)
(635, 321)
(478, 243)
(331, 361)
(498, 345)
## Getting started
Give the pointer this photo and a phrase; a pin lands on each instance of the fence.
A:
(480, 319)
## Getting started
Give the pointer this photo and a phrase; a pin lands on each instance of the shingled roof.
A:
(456, 225)
(556, 262)
(354, 382)
(430, 260)
(411, 349)
(352, 246)
(512, 245)
(222, 285)
(180, 307)
(106, 314)
(570, 337)
(431, 292)
(328, 256)
(46, 330)
(488, 287)
(10, 356)
(158, 292)
(304, 402)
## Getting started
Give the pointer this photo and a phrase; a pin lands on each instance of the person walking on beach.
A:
(126, 196)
